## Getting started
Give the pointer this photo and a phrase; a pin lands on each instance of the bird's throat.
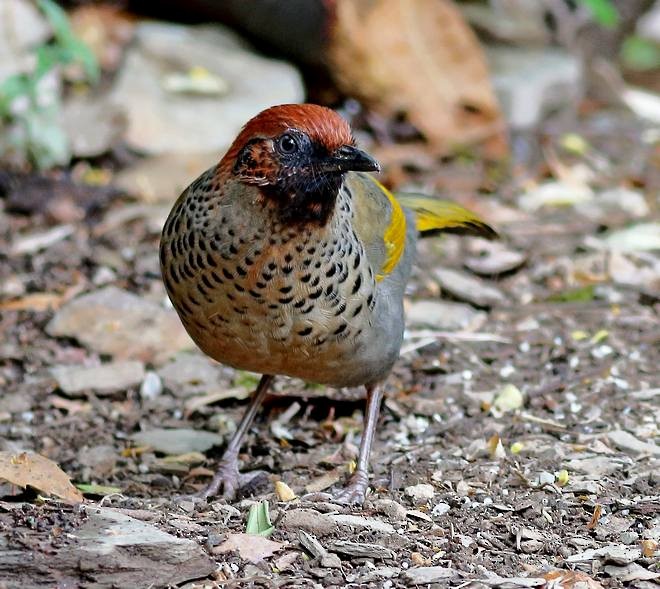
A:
(304, 201)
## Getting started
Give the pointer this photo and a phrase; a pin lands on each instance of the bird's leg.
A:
(227, 473)
(356, 489)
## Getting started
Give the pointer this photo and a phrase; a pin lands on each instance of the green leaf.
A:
(574, 295)
(98, 489)
(603, 11)
(640, 54)
(258, 522)
(58, 20)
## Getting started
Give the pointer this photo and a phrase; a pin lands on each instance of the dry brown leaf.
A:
(249, 547)
(598, 510)
(570, 580)
(29, 469)
(418, 57)
(38, 301)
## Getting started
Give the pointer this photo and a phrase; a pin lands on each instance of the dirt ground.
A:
(516, 440)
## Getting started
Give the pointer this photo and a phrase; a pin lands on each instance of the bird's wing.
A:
(379, 222)
(433, 215)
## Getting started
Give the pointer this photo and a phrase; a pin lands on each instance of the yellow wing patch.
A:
(434, 215)
(395, 233)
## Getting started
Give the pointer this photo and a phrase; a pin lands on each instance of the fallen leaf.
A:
(258, 522)
(420, 58)
(508, 399)
(249, 547)
(570, 580)
(98, 489)
(38, 301)
(283, 491)
(598, 510)
(29, 469)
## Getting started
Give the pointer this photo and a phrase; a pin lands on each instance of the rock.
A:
(151, 386)
(92, 125)
(444, 316)
(532, 82)
(495, 260)
(117, 550)
(361, 549)
(631, 572)
(362, 523)
(468, 288)
(177, 441)
(23, 29)
(161, 119)
(163, 177)
(637, 238)
(189, 374)
(100, 459)
(314, 547)
(309, 520)
(421, 493)
(395, 511)
(628, 443)
(424, 575)
(103, 379)
(440, 509)
(594, 466)
(116, 322)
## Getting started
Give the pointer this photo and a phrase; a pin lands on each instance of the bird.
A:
(288, 258)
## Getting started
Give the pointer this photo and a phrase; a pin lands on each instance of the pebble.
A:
(309, 520)
(424, 575)
(420, 493)
(103, 379)
(469, 288)
(151, 386)
(443, 315)
(121, 324)
(177, 441)
(162, 120)
(395, 511)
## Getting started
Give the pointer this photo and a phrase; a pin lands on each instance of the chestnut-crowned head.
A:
(298, 155)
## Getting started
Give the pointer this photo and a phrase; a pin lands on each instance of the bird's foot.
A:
(355, 491)
(226, 477)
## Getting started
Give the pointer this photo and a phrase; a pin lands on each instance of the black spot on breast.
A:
(286, 289)
(316, 294)
(357, 311)
(191, 239)
(340, 329)
(266, 275)
(210, 260)
(299, 303)
(315, 281)
(357, 260)
(306, 278)
(358, 283)
(285, 300)
(331, 271)
(287, 269)
(216, 278)
(227, 274)
(207, 282)
(340, 310)
(241, 271)
(238, 287)
(305, 331)
(232, 249)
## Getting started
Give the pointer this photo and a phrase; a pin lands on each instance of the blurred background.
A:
(530, 363)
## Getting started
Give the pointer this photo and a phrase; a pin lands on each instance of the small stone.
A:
(440, 509)
(629, 443)
(469, 288)
(151, 386)
(100, 459)
(546, 478)
(424, 575)
(629, 537)
(103, 379)
(395, 511)
(444, 316)
(420, 493)
(177, 441)
(310, 521)
(119, 323)
(362, 523)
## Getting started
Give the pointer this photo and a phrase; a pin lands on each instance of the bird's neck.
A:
(304, 203)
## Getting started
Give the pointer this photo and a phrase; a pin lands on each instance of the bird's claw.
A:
(355, 491)
(227, 477)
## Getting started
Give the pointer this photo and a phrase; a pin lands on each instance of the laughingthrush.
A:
(288, 258)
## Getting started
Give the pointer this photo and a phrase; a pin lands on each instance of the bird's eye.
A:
(287, 144)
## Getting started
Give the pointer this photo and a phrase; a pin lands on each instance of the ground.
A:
(517, 436)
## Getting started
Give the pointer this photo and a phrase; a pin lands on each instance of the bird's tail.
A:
(433, 216)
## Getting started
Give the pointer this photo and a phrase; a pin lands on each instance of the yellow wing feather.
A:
(395, 233)
(433, 215)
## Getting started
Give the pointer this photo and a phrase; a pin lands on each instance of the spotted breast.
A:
(303, 300)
